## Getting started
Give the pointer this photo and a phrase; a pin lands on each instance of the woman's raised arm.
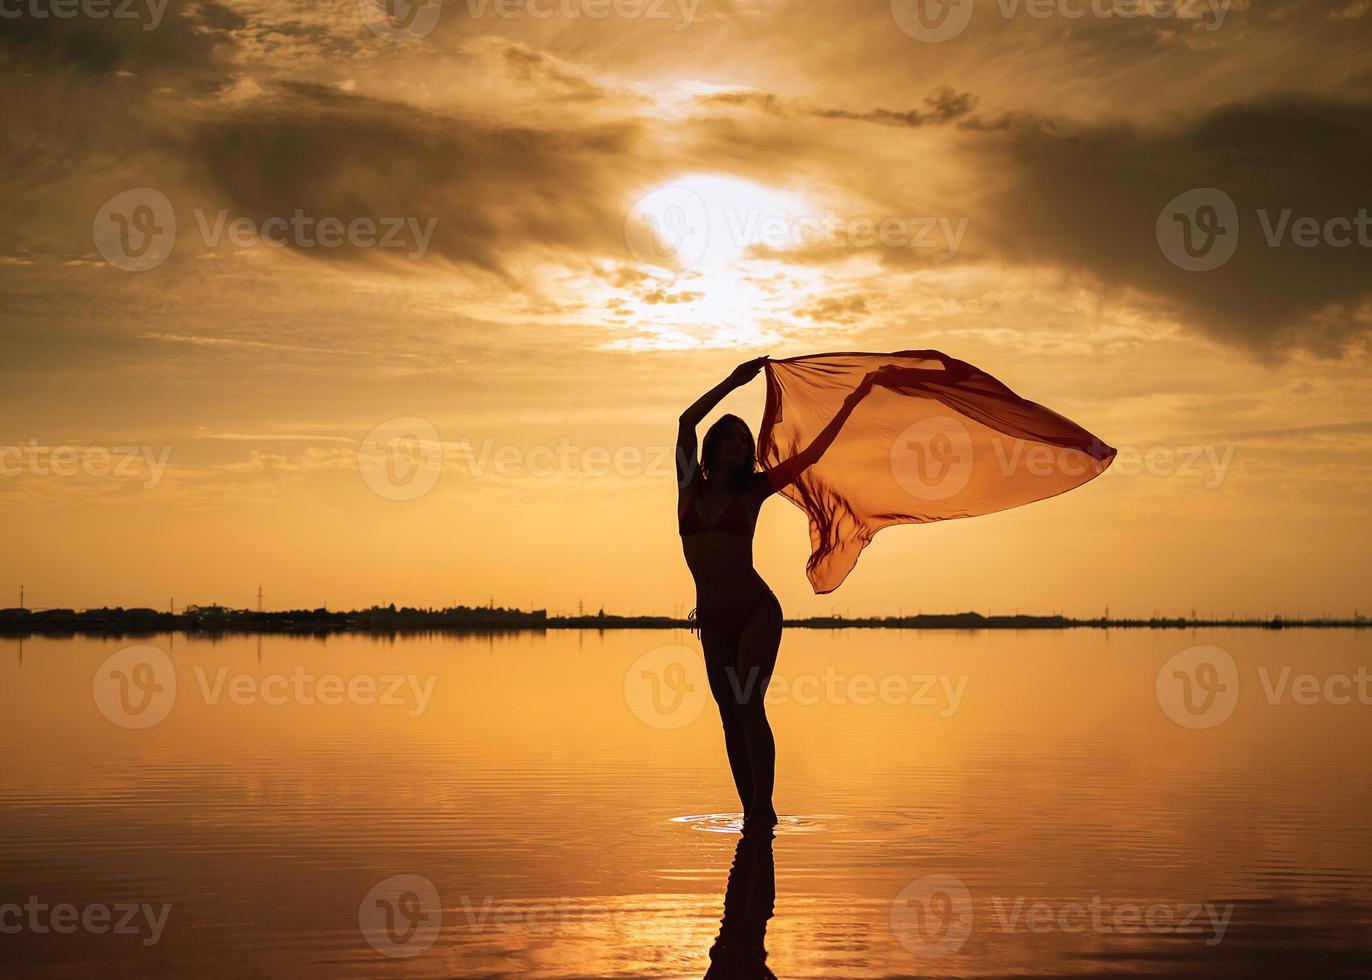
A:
(686, 462)
(785, 473)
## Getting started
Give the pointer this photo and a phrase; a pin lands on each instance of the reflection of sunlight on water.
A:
(540, 807)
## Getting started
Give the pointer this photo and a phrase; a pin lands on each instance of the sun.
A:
(707, 222)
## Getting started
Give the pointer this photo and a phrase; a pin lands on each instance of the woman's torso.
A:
(717, 540)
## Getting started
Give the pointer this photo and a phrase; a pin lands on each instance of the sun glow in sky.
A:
(590, 222)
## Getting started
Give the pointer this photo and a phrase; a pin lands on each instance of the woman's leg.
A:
(720, 655)
(758, 644)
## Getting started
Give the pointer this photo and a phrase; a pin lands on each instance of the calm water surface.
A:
(548, 806)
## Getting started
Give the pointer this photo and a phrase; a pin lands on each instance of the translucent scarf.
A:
(864, 441)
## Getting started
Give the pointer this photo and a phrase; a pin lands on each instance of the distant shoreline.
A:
(216, 620)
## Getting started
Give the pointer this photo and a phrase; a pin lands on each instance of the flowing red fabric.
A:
(863, 441)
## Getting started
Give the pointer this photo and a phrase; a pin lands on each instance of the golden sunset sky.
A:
(548, 328)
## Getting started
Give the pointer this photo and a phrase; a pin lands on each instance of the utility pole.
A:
(259, 598)
(21, 595)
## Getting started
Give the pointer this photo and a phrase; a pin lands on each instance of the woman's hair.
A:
(710, 448)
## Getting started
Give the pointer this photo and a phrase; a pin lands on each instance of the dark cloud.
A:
(837, 309)
(1089, 197)
(530, 67)
(944, 106)
(767, 102)
(138, 38)
(492, 190)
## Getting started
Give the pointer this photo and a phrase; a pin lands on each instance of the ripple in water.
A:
(732, 823)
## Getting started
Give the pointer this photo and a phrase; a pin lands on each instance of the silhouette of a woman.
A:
(718, 499)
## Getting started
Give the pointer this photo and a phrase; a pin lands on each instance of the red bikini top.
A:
(736, 519)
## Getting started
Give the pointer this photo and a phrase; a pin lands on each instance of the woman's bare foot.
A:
(761, 819)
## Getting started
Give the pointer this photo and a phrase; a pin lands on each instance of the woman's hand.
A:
(703, 405)
(746, 371)
(886, 375)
